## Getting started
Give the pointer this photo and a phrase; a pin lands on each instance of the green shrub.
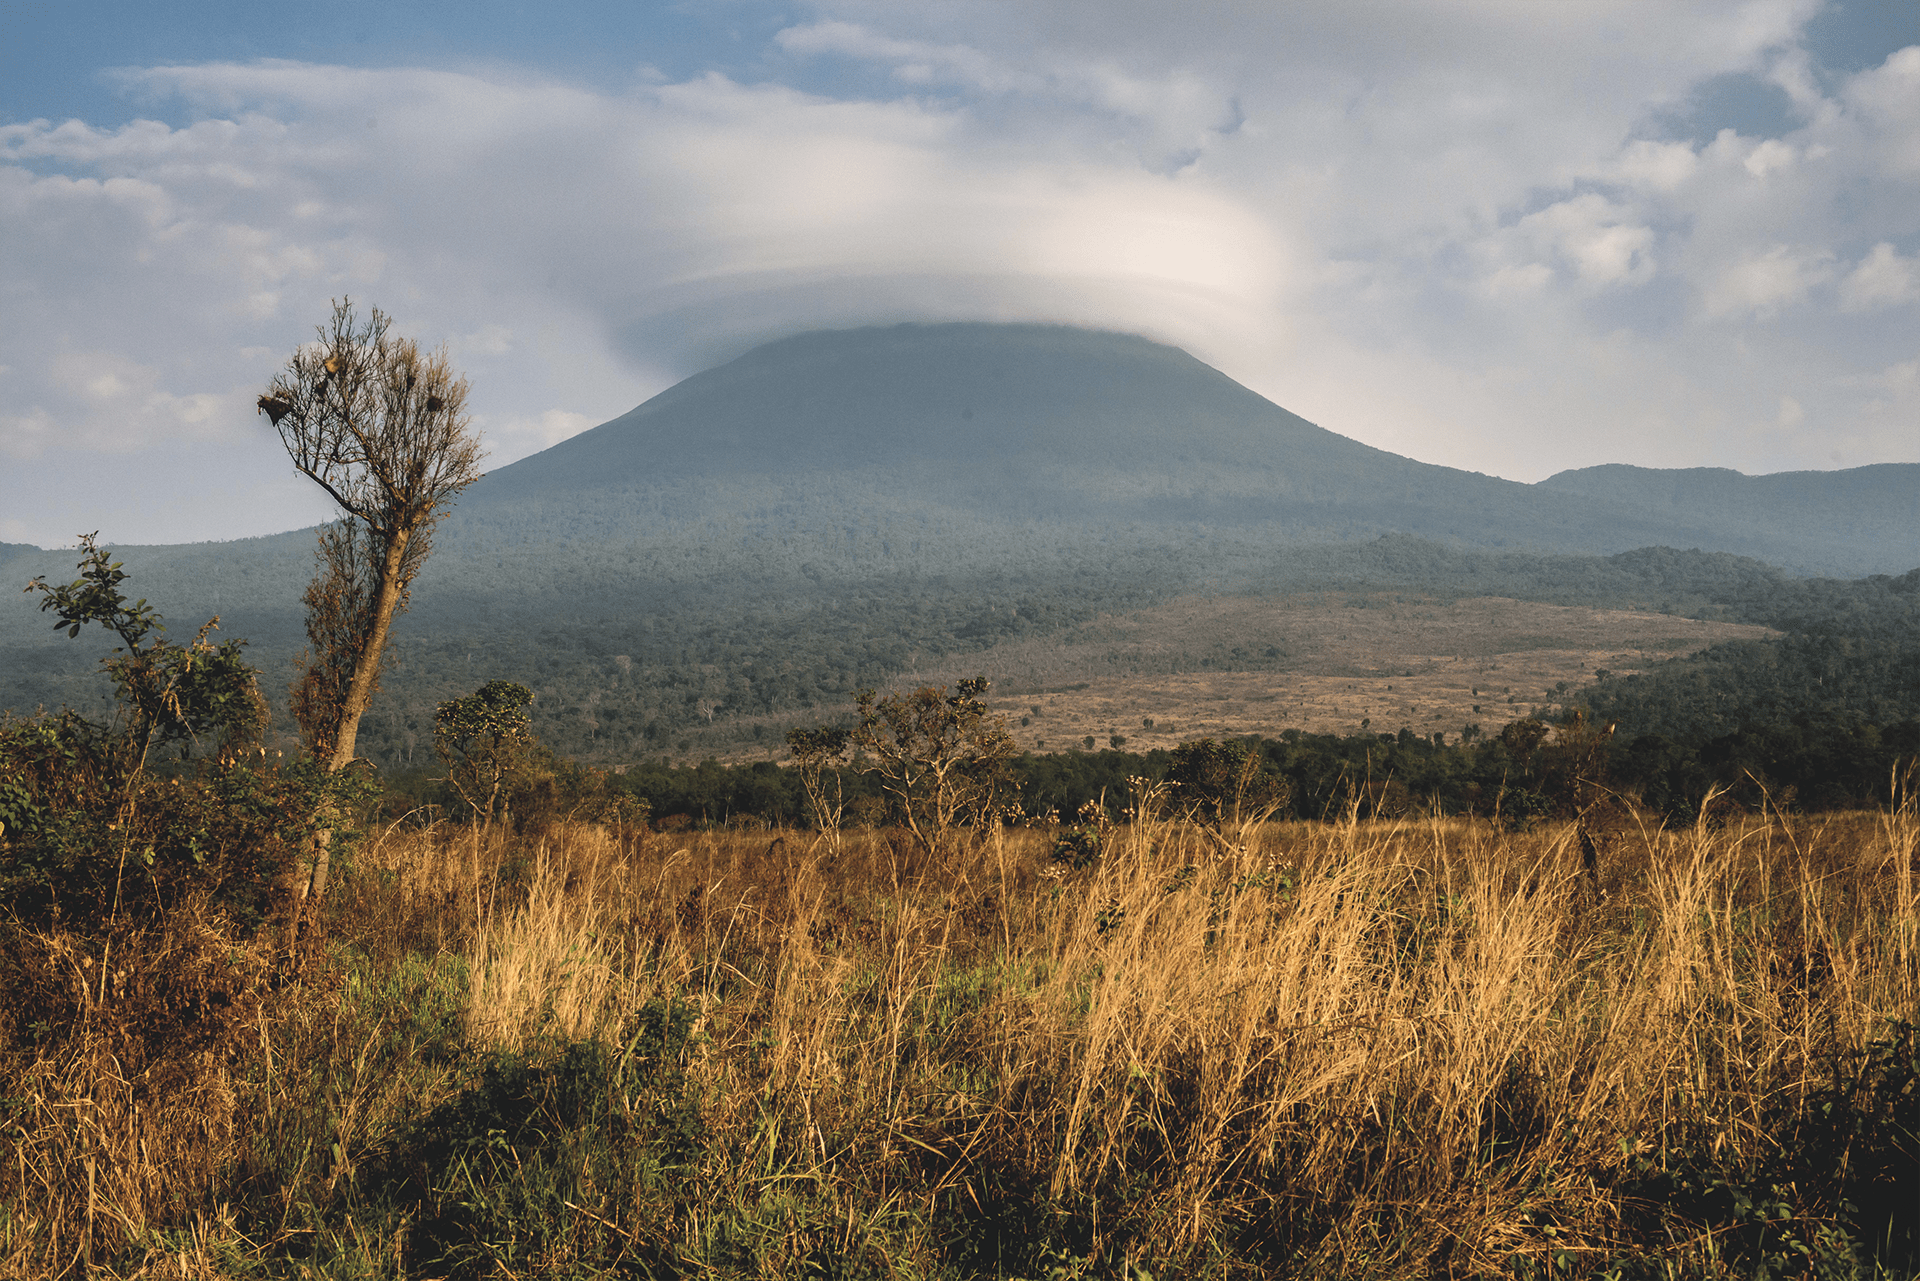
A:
(1836, 1195)
(1223, 782)
(1077, 847)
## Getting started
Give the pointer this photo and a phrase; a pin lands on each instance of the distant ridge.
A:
(1876, 506)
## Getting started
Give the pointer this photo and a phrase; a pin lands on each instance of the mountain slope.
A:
(962, 427)
(835, 509)
(1875, 508)
(1010, 418)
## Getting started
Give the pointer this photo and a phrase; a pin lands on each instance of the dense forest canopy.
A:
(1850, 658)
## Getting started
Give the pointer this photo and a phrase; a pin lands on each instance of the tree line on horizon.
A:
(1519, 774)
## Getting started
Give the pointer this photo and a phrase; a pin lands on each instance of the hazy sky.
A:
(1513, 236)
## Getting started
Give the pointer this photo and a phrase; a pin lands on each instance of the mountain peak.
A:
(1027, 404)
(974, 425)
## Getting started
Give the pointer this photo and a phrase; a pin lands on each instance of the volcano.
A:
(977, 426)
(976, 451)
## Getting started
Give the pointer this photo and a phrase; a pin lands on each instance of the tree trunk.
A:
(366, 669)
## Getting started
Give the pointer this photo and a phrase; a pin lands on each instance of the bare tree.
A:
(383, 429)
(941, 757)
(815, 752)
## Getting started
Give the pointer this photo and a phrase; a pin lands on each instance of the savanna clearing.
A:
(1413, 1048)
(1322, 662)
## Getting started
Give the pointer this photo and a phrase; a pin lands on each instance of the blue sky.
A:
(1496, 234)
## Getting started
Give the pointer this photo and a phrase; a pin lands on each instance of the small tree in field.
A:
(382, 428)
(167, 692)
(1222, 782)
(481, 738)
(815, 751)
(87, 830)
(941, 757)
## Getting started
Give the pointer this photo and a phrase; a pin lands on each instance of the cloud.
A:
(1599, 241)
(507, 203)
(1657, 166)
(530, 435)
(104, 401)
(1895, 389)
(1762, 284)
(1769, 156)
(1440, 226)
(1886, 101)
(1170, 113)
(1884, 278)
(914, 61)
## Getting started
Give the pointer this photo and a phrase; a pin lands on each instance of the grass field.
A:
(1395, 660)
(1321, 662)
(1424, 1048)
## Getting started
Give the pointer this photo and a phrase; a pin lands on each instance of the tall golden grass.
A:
(1361, 1048)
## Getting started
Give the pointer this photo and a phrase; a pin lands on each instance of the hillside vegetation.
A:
(1850, 656)
(622, 664)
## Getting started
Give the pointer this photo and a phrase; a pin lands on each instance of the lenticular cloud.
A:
(1464, 235)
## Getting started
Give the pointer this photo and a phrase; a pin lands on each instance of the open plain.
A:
(1324, 663)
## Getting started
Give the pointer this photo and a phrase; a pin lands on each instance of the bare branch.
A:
(376, 423)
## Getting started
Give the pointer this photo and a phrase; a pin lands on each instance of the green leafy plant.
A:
(190, 693)
(1222, 782)
(86, 829)
(483, 739)
(1077, 847)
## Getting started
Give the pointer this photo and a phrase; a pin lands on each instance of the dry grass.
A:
(1200, 666)
(1396, 660)
(1382, 1049)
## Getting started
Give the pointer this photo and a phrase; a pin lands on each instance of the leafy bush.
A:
(1077, 847)
(1223, 782)
(80, 853)
(90, 837)
(1521, 807)
(1832, 1197)
(484, 741)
